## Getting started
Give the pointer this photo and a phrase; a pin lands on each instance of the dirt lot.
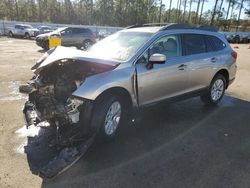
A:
(181, 145)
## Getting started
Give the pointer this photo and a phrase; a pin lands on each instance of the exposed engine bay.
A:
(52, 106)
(51, 103)
(50, 92)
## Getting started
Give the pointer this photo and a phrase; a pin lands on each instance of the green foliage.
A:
(122, 12)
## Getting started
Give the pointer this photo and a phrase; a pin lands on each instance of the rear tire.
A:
(10, 34)
(216, 90)
(86, 44)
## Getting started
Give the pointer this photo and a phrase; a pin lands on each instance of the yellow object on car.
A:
(55, 40)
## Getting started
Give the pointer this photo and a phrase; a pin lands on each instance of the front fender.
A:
(95, 85)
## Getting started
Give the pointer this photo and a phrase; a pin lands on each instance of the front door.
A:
(162, 80)
(66, 37)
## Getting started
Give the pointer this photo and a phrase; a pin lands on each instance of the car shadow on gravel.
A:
(42, 51)
(158, 127)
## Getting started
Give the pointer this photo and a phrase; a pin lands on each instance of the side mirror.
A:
(157, 59)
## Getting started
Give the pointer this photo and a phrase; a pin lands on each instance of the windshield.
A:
(27, 27)
(61, 29)
(120, 46)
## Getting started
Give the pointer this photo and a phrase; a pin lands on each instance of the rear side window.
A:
(214, 43)
(77, 30)
(81, 31)
(193, 44)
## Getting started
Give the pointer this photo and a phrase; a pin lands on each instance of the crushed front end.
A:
(52, 106)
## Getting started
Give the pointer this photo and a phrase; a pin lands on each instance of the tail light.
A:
(234, 54)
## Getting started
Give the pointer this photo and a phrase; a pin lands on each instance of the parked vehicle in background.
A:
(228, 36)
(136, 67)
(237, 37)
(79, 37)
(44, 29)
(23, 30)
(103, 34)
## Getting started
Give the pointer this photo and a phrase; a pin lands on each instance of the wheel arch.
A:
(225, 73)
(117, 91)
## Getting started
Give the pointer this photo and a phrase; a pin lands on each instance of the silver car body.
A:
(21, 30)
(163, 81)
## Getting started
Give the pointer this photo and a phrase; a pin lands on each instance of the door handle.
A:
(213, 60)
(182, 67)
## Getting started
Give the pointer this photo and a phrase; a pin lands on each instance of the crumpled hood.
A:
(46, 35)
(61, 53)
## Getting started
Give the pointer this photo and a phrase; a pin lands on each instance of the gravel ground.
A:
(185, 144)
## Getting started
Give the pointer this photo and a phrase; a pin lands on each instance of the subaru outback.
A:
(96, 90)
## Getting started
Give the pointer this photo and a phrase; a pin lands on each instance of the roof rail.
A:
(155, 24)
(169, 26)
(208, 28)
(176, 26)
(146, 25)
(133, 26)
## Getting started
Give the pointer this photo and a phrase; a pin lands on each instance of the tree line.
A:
(225, 13)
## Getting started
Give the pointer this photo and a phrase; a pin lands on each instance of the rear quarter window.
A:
(214, 43)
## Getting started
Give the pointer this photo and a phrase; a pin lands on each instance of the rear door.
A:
(199, 61)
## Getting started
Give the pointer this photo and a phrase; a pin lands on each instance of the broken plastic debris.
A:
(65, 159)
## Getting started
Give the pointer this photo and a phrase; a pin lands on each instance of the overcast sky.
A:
(207, 6)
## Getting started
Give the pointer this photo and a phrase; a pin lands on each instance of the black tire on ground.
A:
(27, 36)
(10, 34)
(100, 115)
(86, 44)
(207, 97)
(46, 45)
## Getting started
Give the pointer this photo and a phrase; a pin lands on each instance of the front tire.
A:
(45, 45)
(107, 117)
(27, 36)
(216, 90)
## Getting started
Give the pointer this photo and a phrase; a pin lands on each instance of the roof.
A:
(145, 29)
(153, 28)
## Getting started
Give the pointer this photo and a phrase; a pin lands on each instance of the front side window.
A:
(167, 45)
(193, 44)
(27, 27)
(67, 31)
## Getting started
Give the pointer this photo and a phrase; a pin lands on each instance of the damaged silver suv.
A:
(95, 90)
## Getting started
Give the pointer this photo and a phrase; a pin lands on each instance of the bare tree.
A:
(197, 11)
(228, 8)
(214, 13)
(202, 5)
(190, 7)
(169, 10)
(184, 10)
(238, 20)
